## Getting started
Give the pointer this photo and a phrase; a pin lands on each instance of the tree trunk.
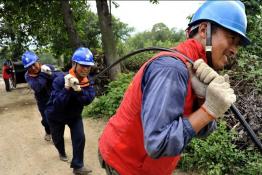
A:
(69, 24)
(108, 40)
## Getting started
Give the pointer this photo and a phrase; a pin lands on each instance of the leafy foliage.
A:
(217, 155)
(47, 59)
(106, 105)
(249, 60)
(160, 36)
(40, 24)
(248, 69)
(154, 1)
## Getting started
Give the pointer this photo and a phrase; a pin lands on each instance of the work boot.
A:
(48, 137)
(81, 171)
(63, 157)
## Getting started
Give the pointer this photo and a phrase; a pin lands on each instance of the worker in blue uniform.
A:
(40, 77)
(71, 92)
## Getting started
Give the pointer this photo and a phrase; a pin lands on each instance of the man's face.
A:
(82, 70)
(34, 68)
(225, 46)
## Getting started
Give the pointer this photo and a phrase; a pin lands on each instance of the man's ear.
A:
(202, 30)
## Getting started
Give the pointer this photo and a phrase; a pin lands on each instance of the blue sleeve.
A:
(37, 83)
(208, 129)
(60, 96)
(164, 86)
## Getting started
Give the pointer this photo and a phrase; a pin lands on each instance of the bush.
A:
(217, 155)
(106, 105)
(135, 62)
(249, 69)
(253, 166)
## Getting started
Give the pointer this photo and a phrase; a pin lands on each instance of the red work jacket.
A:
(6, 72)
(121, 143)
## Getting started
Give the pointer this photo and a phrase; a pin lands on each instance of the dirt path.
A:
(23, 151)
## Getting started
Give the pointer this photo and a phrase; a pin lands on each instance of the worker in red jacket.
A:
(168, 102)
(7, 72)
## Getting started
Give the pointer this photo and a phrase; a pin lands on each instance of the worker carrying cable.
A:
(169, 102)
(70, 93)
(40, 77)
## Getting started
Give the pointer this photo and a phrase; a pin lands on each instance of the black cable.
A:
(140, 51)
(244, 123)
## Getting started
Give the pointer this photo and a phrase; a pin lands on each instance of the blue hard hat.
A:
(83, 56)
(29, 58)
(229, 14)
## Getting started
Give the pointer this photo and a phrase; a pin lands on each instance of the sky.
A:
(142, 15)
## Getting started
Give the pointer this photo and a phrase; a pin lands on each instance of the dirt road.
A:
(23, 151)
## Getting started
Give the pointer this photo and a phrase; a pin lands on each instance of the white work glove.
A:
(45, 69)
(202, 77)
(226, 77)
(205, 73)
(74, 82)
(219, 97)
(198, 87)
(67, 80)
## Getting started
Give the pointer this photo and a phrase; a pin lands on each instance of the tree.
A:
(47, 24)
(26, 23)
(161, 32)
(69, 23)
(57, 27)
(108, 40)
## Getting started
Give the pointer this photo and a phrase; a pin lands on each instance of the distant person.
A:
(39, 77)
(168, 102)
(7, 72)
(70, 93)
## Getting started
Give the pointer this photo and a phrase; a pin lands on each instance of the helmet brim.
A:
(28, 65)
(245, 41)
(85, 63)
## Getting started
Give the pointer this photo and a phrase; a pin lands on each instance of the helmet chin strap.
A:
(76, 73)
(75, 67)
(76, 64)
(209, 45)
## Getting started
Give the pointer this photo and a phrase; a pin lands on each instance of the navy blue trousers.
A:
(44, 120)
(77, 137)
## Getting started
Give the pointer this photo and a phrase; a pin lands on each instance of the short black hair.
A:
(214, 27)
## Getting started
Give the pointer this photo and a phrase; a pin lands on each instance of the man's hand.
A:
(72, 82)
(75, 84)
(219, 97)
(67, 81)
(198, 86)
(45, 69)
(205, 73)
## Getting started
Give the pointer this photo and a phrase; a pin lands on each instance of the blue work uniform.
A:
(167, 72)
(65, 108)
(41, 85)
